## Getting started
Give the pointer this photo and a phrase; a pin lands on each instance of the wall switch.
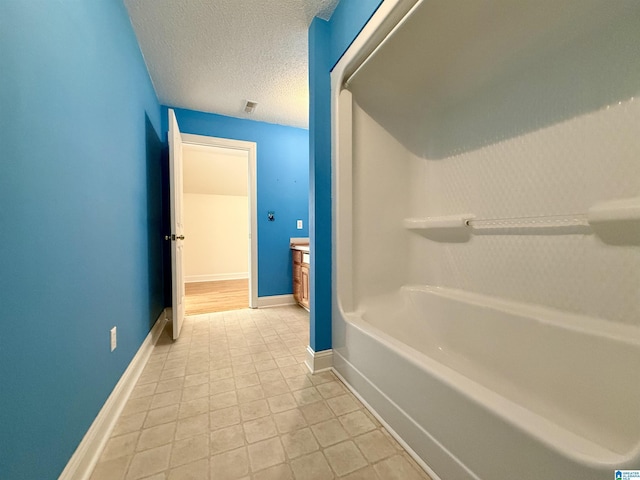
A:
(299, 224)
(114, 339)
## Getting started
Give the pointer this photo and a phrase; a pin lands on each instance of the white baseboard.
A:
(276, 301)
(319, 361)
(84, 459)
(215, 277)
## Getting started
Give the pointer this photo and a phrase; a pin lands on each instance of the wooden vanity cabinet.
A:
(300, 279)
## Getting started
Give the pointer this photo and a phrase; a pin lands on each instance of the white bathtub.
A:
(482, 305)
(489, 387)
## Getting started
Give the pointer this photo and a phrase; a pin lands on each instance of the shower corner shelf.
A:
(449, 222)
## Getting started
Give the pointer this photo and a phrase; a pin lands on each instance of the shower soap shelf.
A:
(615, 213)
(430, 223)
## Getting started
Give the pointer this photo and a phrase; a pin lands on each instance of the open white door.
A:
(177, 223)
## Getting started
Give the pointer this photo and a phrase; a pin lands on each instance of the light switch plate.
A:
(299, 224)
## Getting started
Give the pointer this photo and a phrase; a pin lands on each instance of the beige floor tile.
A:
(193, 471)
(191, 426)
(195, 392)
(331, 389)
(120, 446)
(278, 472)
(196, 379)
(128, 424)
(170, 385)
(266, 453)
(280, 403)
(293, 371)
(250, 380)
(220, 374)
(397, 468)
(260, 429)
(316, 412)
(228, 438)
(356, 423)
(223, 400)
(137, 405)
(230, 465)
(269, 376)
(189, 450)
(323, 377)
(343, 404)
(158, 416)
(224, 417)
(307, 396)
(221, 386)
(111, 469)
(272, 389)
(166, 399)
(156, 436)
(375, 446)
(298, 443)
(146, 463)
(299, 382)
(253, 410)
(265, 365)
(311, 467)
(259, 357)
(344, 458)
(143, 390)
(250, 394)
(286, 361)
(290, 420)
(193, 407)
(367, 473)
(235, 400)
(329, 432)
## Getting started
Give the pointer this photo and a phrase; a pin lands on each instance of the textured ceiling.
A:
(213, 55)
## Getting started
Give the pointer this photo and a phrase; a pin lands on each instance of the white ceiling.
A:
(215, 171)
(214, 55)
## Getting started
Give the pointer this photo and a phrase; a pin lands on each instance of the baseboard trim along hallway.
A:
(84, 459)
(319, 361)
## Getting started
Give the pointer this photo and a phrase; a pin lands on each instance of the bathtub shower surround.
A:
(487, 233)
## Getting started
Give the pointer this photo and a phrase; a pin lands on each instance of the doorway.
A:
(220, 247)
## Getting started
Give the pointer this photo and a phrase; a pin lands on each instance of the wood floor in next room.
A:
(232, 400)
(220, 296)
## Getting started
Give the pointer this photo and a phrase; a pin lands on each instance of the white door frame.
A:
(252, 151)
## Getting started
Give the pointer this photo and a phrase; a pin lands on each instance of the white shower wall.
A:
(550, 134)
(474, 150)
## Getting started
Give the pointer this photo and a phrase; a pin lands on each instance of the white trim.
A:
(388, 427)
(276, 300)
(216, 277)
(252, 152)
(84, 459)
(319, 361)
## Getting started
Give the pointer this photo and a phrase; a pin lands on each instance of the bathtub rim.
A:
(496, 404)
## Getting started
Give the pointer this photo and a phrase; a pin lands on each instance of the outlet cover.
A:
(299, 224)
(114, 339)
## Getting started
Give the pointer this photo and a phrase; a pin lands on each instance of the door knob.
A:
(180, 237)
(173, 237)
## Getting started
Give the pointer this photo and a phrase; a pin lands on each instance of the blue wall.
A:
(282, 183)
(80, 182)
(327, 43)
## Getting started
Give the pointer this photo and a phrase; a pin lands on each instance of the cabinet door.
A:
(304, 277)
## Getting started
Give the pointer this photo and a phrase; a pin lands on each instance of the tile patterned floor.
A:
(232, 399)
